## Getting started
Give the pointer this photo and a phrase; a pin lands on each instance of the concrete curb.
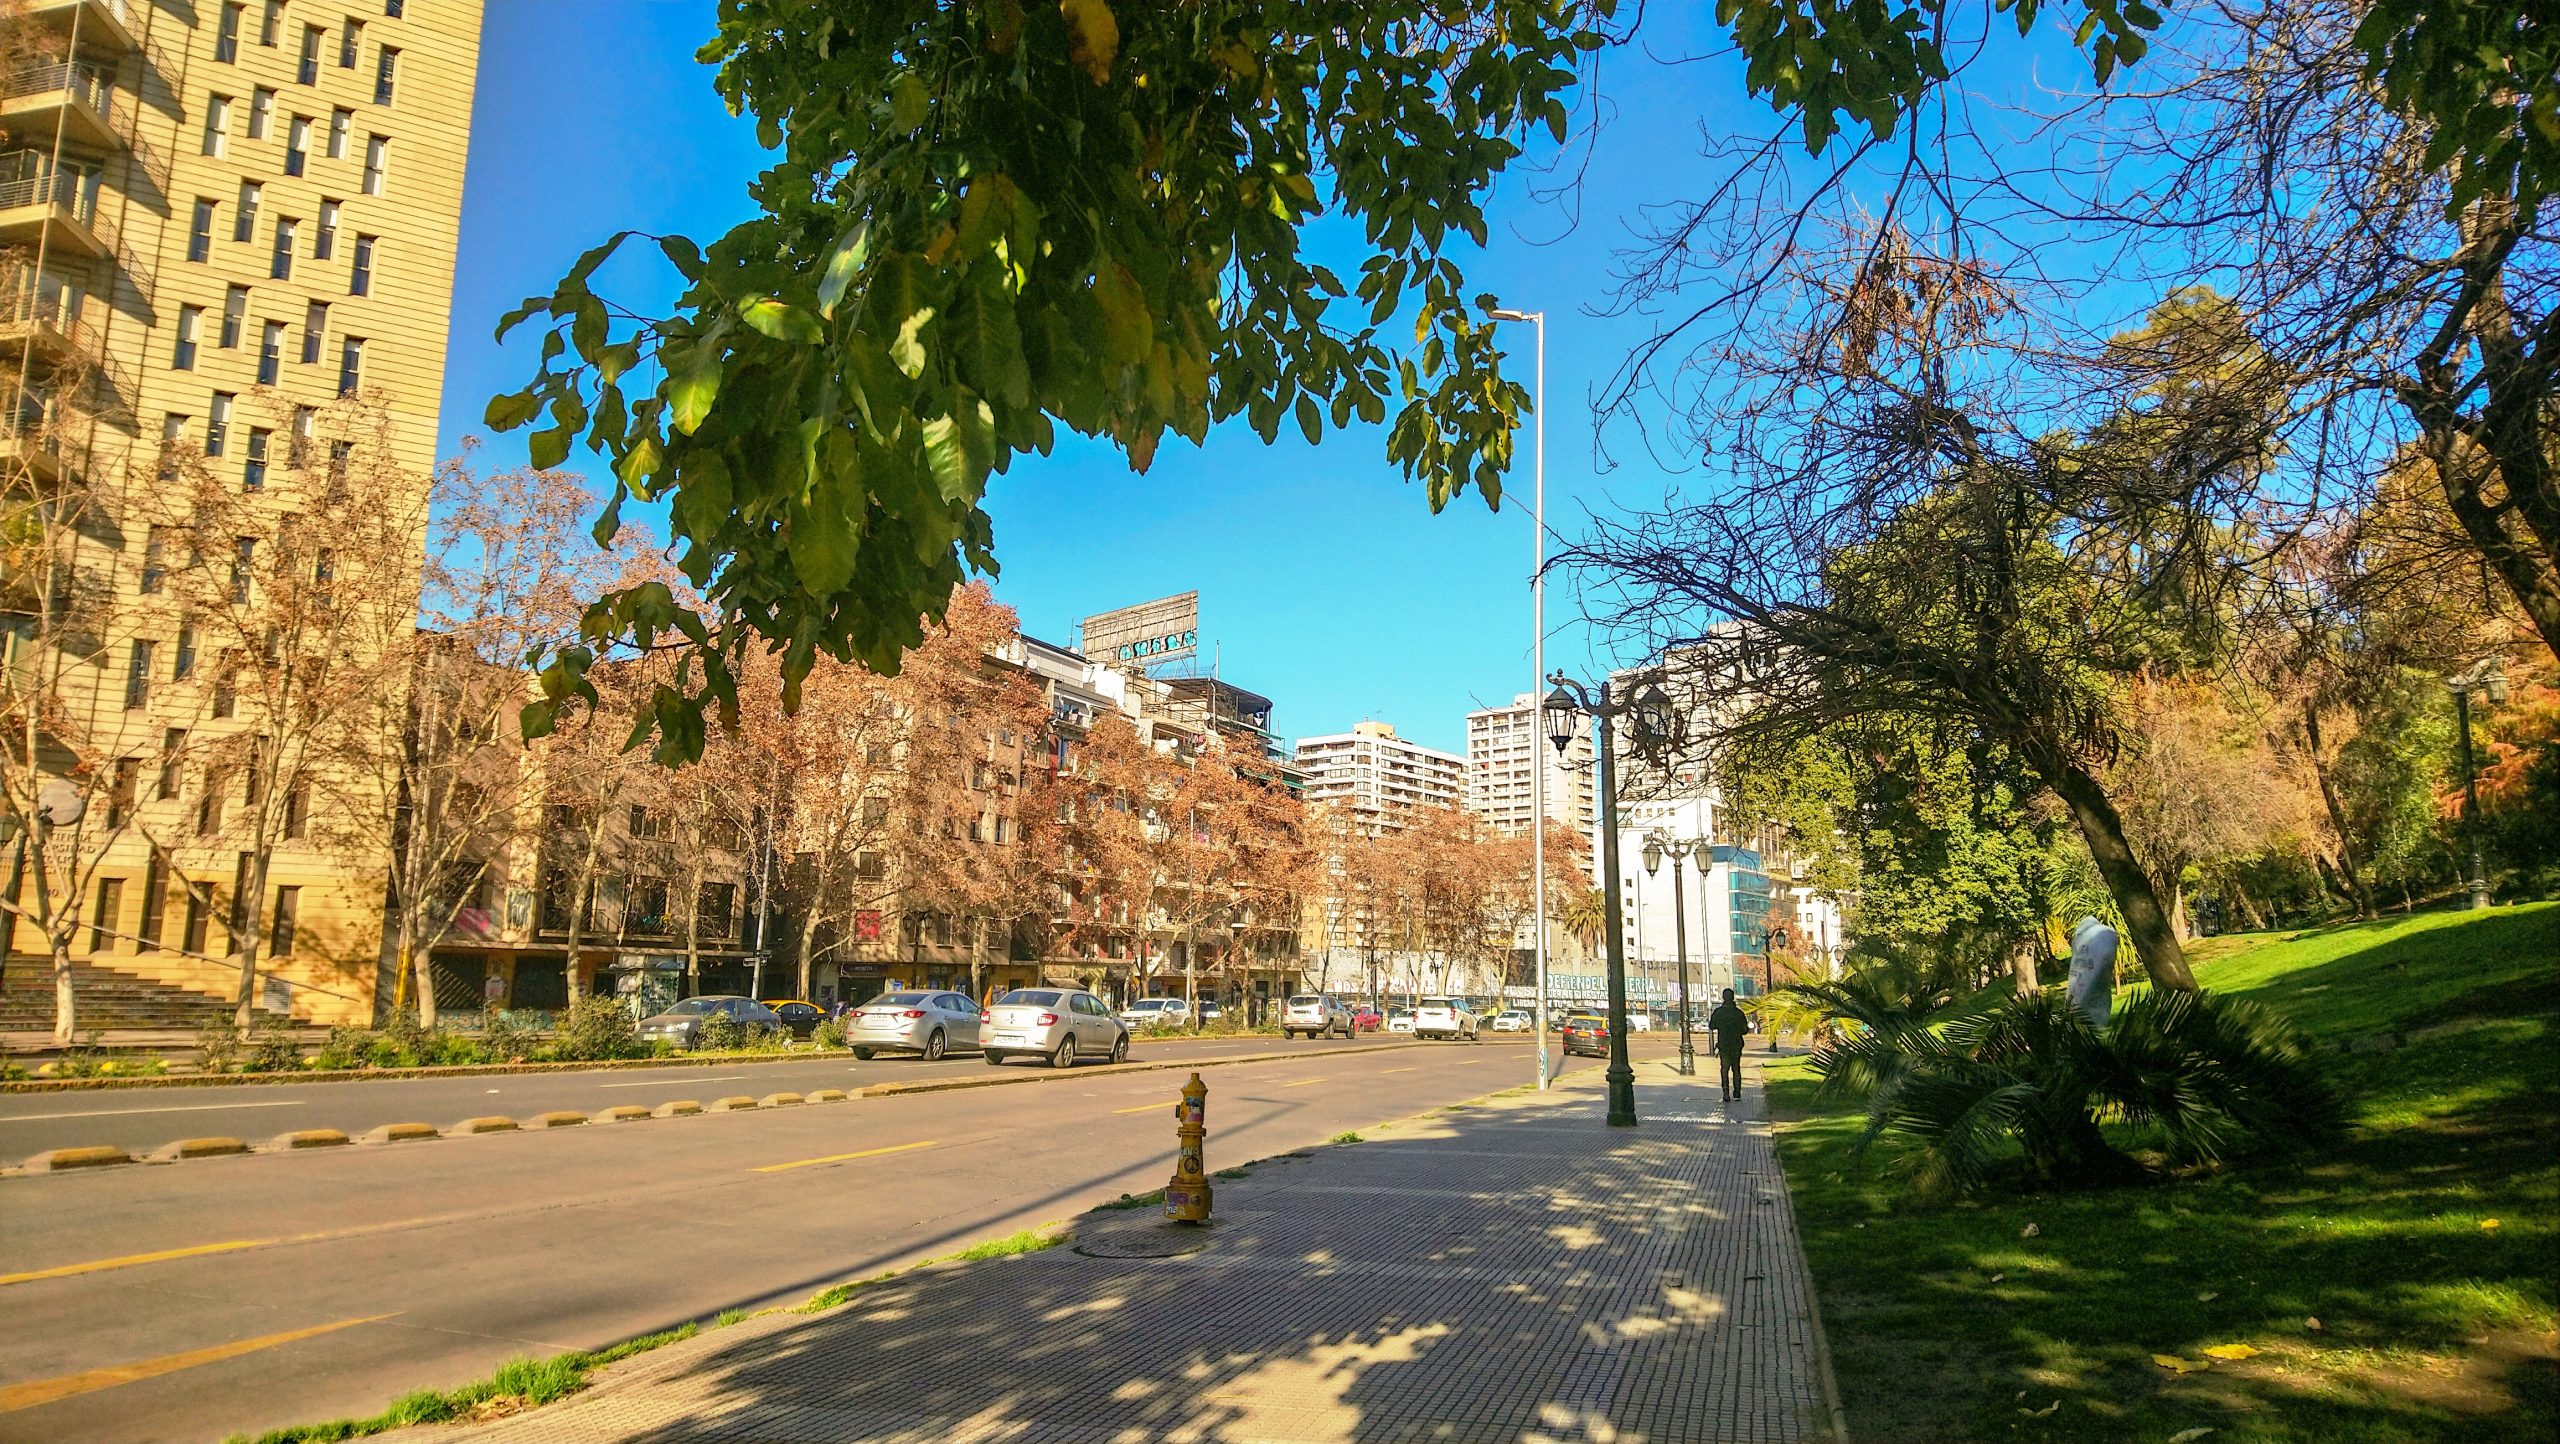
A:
(358, 1075)
(308, 1138)
(403, 1133)
(558, 1118)
(57, 1160)
(186, 1148)
(491, 1124)
(624, 1113)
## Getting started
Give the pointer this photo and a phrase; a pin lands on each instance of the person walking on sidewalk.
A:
(1729, 1025)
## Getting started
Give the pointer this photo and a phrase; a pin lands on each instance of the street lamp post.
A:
(1650, 713)
(1656, 846)
(1537, 672)
(2490, 680)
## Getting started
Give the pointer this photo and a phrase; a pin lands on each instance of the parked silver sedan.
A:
(682, 1024)
(915, 1022)
(1060, 1024)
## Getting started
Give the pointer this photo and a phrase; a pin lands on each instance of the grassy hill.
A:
(2425, 1247)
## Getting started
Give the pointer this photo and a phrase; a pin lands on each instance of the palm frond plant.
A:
(1871, 1003)
(2031, 1081)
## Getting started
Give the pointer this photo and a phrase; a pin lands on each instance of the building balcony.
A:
(40, 437)
(53, 212)
(95, 25)
(42, 328)
(79, 101)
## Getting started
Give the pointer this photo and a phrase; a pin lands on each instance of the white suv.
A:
(1316, 1014)
(1156, 1013)
(1444, 1018)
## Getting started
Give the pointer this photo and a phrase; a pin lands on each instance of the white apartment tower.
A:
(1504, 745)
(1372, 771)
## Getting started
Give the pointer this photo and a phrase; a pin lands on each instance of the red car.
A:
(1367, 1020)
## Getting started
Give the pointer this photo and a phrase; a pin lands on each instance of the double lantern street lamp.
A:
(2490, 681)
(1656, 847)
(1650, 721)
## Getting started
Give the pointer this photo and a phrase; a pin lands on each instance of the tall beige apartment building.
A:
(1375, 774)
(1505, 746)
(217, 218)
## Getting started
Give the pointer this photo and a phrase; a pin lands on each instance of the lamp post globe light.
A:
(1656, 847)
(2488, 679)
(1649, 716)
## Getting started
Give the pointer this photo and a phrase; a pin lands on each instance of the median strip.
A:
(844, 1157)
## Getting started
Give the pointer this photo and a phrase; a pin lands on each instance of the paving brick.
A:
(1515, 1272)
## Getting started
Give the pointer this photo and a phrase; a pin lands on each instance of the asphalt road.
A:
(190, 1301)
(141, 1119)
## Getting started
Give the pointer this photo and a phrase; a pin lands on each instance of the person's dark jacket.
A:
(1728, 1023)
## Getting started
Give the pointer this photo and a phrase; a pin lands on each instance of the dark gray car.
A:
(682, 1024)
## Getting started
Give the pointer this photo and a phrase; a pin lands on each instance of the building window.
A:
(244, 224)
(137, 682)
(297, 811)
(200, 232)
(217, 426)
(226, 690)
(110, 914)
(299, 453)
(715, 910)
(173, 746)
(339, 454)
(173, 434)
(280, 265)
(235, 312)
(391, 8)
(185, 665)
(377, 154)
(190, 330)
(243, 558)
(196, 925)
(340, 122)
(308, 72)
(350, 365)
(386, 68)
(288, 911)
(297, 144)
(350, 37)
(209, 802)
(648, 910)
(271, 23)
(217, 124)
(226, 40)
(154, 562)
(126, 788)
(253, 472)
(360, 280)
(315, 324)
(270, 352)
(324, 243)
(155, 905)
(262, 111)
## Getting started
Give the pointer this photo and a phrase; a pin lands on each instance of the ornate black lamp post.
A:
(2490, 681)
(1650, 717)
(1656, 847)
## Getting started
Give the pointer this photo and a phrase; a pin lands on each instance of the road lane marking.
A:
(46, 1391)
(844, 1157)
(131, 1260)
(1303, 1083)
(1402, 1070)
(181, 1108)
(675, 1082)
(1141, 1108)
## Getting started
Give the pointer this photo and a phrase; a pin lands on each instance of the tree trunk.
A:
(423, 978)
(2358, 891)
(66, 1007)
(2155, 939)
(246, 939)
(2179, 921)
(2022, 966)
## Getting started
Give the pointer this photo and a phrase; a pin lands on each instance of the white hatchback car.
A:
(1444, 1018)
(1060, 1024)
(1156, 1013)
(1513, 1020)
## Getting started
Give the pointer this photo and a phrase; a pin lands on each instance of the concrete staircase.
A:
(108, 998)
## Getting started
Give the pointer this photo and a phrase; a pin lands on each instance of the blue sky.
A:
(1325, 581)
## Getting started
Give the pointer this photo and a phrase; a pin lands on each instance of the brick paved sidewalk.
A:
(1509, 1271)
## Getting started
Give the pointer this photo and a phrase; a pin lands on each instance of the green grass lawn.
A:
(2038, 1317)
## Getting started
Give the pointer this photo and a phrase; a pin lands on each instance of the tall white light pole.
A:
(1537, 669)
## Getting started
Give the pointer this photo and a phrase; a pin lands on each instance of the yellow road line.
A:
(1141, 1108)
(843, 1157)
(1302, 1083)
(1400, 1070)
(132, 1259)
(46, 1391)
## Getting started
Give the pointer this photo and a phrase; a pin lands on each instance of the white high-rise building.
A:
(1504, 746)
(1373, 772)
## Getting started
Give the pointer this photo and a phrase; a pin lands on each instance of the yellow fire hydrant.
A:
(1186, 1198)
